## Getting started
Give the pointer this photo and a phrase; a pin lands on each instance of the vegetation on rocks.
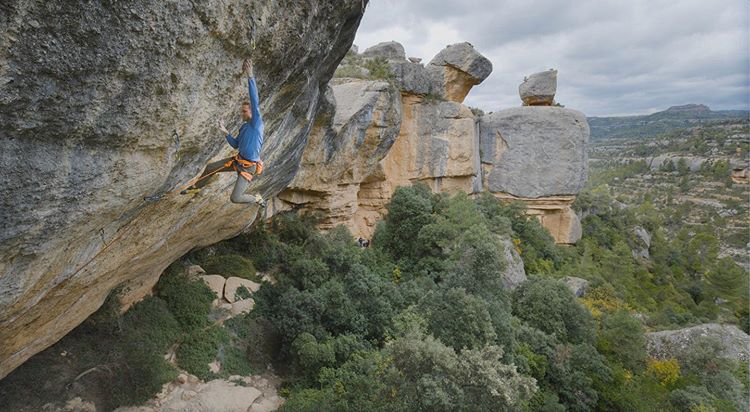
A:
(421, 320)
(116, 359)
(358, 67)
(396, 326)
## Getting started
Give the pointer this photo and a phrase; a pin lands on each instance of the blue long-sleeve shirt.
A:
(250, 138)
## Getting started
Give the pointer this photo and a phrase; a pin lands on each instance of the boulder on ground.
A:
(539, 89)
(242, 306)
(215, 283)
(672, 343)
(234, 283)
(576, 285)
(643, 239)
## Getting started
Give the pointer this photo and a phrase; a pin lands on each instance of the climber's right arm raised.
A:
(256, 120)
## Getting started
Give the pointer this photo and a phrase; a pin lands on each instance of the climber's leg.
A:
(217, 167)
(213, 167)
(239, 195)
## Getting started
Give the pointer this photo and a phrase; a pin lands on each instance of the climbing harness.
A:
(240, 165)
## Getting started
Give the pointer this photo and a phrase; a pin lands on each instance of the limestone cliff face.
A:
(103, 103)
(535, 153)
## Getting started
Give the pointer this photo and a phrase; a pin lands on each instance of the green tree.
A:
(435, 378)
(409, 210)
(549, 305)
(728, 280)
(458, 319)
(621, 338)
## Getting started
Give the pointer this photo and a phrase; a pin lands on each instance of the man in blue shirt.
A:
(249, 141)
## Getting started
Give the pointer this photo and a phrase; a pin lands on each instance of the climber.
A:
(249, 141)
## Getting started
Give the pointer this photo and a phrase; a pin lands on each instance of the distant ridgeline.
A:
(676, 117)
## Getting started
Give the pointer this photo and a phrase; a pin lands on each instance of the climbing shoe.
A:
(190, 191)
(260, 201)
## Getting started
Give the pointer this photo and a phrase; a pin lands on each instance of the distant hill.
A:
(676, 117)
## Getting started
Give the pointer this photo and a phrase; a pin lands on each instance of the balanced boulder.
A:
(459, 67)
(539, 89)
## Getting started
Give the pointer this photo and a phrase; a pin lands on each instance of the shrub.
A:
(259, 335)
(242, 293)
(621, 338)
(692, 398)
(189, 300)
(230, 265)
(379, 68)
(409, 210)
(145, 373)
(549, 305)
(199, 349)
(458, 319)
(311, 355)
(433, 377)
(234, 361)
(150, 325)
(667, 370)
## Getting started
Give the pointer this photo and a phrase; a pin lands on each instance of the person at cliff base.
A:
(249, 141)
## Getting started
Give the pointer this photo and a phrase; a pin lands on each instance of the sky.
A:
(614, 57)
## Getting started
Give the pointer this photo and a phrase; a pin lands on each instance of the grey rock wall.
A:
(103, 103)
(534, 151)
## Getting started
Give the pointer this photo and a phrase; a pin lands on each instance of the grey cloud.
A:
(614, 57)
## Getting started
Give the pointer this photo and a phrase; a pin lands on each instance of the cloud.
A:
(614, 57)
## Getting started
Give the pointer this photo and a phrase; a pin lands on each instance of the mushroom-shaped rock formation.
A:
(374, 136)
(538, 155)
(462, 68)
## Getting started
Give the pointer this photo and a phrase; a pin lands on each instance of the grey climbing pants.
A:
(240, 186)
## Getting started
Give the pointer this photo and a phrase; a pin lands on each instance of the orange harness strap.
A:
(233, 164)
(238, 164)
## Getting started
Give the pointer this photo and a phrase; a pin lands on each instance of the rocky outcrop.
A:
(450, 74)
(576, 285)
(386, 50)
(539, 89)
(740, 175)
(514, 273)
(239, 393)
(418, 131)
(672, 343)
(534, 151)
(694, 163)
(356, 131)
(643, 243)
(94, 119)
